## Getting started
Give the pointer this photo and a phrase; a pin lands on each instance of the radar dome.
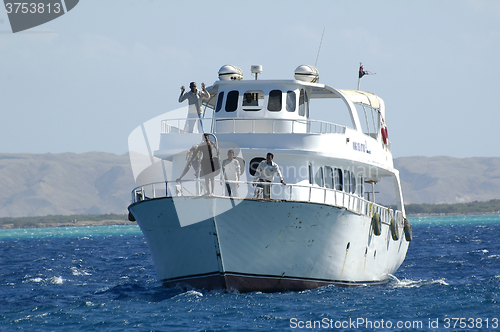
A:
(307, 73)
(230, 73)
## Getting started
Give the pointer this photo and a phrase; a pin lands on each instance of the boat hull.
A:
(254, 245)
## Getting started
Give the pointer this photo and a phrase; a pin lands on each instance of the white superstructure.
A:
(322, 227)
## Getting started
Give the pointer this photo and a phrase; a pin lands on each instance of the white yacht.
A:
(322, 227)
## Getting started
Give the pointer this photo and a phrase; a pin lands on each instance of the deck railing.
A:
(250, 125)
(290, 192)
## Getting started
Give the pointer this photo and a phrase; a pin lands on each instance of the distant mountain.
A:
(445, 180)
(100, 183)
(63, 184)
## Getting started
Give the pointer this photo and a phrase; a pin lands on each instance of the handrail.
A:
(293, 192)
(272, 125)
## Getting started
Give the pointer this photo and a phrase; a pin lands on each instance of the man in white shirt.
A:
(265, 174)
(195, 109)
(232, 170)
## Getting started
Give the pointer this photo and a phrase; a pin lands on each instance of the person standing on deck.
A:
(203, 156)
(231, 172)
(265, 174)
(195, 110)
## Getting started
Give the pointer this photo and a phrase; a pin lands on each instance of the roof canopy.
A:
(362, 98)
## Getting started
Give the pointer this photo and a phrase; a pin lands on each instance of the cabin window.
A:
(232, 101)
(302, 109)
(291, 101)
(252, 100)
(303, 103)
(328, 177)
(337, 176)
(347, 181)
(275, 101)
(360, 188)
(219, 102)
(353, 183)
(307, 104)
(254, 163)
(319, 177)
(310, 174)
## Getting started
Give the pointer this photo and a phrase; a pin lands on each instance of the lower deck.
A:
(337, 197)
(216, 242)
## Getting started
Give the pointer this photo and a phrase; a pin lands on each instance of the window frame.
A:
(338, 177)
(273, 99)
(319, 175)
(360, 189)
(302, 109)
(230, 102)
(328, 174)
(353, 183)
(294, 102)
(347, 181)
(252, 108)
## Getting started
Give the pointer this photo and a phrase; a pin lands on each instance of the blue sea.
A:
(103, 278)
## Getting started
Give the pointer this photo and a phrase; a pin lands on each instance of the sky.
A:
(84, 81)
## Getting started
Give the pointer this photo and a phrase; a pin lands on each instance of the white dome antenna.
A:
(230, 73)
(307, 73)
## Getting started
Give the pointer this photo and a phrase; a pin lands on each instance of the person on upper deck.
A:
(195, 99)
(265, 174)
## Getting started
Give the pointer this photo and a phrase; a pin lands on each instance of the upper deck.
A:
(244, 108)
(254, 117)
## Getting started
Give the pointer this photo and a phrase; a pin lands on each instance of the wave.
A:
(51, 280)
(409, 283)
(77, 272)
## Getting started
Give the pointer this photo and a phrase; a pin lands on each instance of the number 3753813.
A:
(32, 8)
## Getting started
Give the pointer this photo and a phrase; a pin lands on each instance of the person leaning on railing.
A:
(265, 175)
(202, 156)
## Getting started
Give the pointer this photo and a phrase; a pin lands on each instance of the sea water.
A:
(103, 278)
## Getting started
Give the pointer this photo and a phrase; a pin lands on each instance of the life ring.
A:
(376, 224)
(408, 230)
(385, 135)
(394, 229)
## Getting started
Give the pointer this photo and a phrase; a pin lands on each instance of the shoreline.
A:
(437, 214)
(74, 223)
(113, 222)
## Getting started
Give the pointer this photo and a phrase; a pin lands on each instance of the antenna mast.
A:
(319, 47)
